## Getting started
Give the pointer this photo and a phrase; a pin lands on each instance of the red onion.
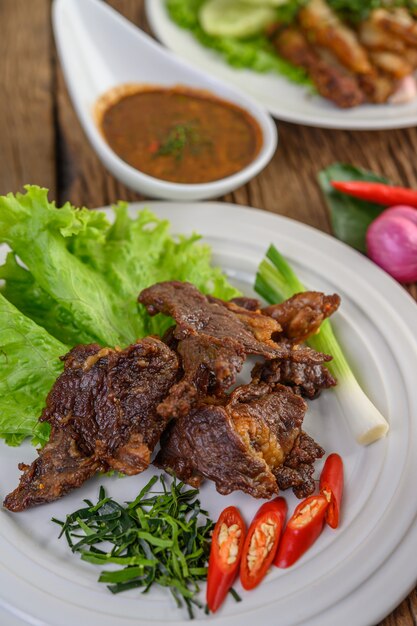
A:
(391, 242)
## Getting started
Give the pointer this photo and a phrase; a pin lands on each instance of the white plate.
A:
(283, 99)
(340, 580)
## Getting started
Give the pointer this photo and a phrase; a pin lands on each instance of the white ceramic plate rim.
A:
(237, 225)
(316, 111)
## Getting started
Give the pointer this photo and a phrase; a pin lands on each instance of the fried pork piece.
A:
(102, 410)
(373, 37)
(391, 63)
(377, 86)
(242, 443)
(302, 315)
(410, 55)
(331, 81)
(212, 338)
(305, 379)
(397, 23)
(324, 28)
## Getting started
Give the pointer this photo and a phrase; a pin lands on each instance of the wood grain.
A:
(27, 135)
(83, 180)
(42, 142)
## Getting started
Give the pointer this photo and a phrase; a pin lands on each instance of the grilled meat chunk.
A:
(302, 315)
(324, 28)
(397, 23)
(241, 443)
(332, 82)
(373, 37)
(102, 410)
(195, 313)
(305, 379)
(213, 338)
(377, 86)
(250, 304)
(297, 471)
(392, 63)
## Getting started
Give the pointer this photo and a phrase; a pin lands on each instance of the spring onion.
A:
(275, 282)
(161, 538)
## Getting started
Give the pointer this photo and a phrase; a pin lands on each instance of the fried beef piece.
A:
(241, 444)
(102, 410)
(195, 313)
(305, 379)
(302, 315)
(250, 304)
(297, 471)
(213, 338)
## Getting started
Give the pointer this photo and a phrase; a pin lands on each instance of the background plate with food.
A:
(362, 62)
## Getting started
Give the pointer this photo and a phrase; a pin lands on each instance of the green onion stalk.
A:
(275, 282)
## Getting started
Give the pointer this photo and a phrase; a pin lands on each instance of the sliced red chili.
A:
(302, 530)
(331, 486)
(262, 542)
(225, 554)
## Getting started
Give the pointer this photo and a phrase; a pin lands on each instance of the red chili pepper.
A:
(379, 193)
(225, 554)
(262, 542)
(331, 487)
(302, 530)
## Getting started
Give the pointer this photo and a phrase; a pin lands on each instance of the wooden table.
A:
(42, 142)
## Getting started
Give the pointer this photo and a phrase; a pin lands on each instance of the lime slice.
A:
(234, 18)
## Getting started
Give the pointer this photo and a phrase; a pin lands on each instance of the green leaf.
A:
(22, 290)
(82, 274)
(74, 277)
(349, 216)
(256, 53)
(122, 575)
(29, 364)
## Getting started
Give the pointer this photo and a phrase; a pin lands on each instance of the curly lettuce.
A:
(255, 53)
(73, 276)
(78, 275)
(29, 364)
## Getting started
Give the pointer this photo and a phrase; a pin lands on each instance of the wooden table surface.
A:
(41, 142)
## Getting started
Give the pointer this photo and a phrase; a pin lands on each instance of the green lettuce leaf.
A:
(29, 364)
(255, 53)
(73, 276)
(82, 274)
(40, 235)
(21, 289)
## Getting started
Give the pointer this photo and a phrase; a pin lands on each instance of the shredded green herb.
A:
(161, 538)
(179, 138)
